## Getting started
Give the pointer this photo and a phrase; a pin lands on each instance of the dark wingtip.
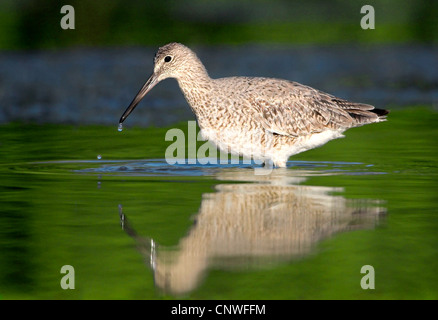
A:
(380, 112)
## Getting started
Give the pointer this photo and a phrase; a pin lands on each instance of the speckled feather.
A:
(263, 118)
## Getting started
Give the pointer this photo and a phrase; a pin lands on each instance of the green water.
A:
(219, 232)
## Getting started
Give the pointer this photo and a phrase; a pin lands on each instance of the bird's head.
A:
(174, 60)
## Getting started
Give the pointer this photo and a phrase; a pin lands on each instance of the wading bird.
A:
(255, 117)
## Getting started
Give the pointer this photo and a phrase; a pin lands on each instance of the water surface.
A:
(135, 227)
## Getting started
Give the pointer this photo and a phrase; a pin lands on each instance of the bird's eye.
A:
(167, 58)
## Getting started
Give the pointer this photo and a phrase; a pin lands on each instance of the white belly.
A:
(259, 146)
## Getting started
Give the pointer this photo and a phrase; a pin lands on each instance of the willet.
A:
(255, 117)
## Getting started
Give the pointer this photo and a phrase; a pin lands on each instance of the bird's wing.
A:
(296, 110)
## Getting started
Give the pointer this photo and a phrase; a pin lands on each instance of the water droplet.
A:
(99, 157)
(120, 128)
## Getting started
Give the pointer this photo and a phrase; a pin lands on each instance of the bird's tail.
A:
(363, 116)
(381, 113)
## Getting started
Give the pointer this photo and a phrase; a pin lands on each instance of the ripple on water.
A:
(159, 167)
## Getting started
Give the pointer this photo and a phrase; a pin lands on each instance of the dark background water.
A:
(75, 191)
(94, 86)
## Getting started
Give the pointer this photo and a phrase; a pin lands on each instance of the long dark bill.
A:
(150, 83)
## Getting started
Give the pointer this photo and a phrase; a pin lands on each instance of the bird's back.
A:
(290, 108)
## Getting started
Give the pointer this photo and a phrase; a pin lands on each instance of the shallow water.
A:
(135, 227)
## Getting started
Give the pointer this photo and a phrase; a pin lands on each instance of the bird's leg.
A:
(268, 164)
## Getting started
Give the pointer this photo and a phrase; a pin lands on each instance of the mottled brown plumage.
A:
(261, 118)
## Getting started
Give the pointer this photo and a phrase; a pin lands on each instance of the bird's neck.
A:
(196, 85)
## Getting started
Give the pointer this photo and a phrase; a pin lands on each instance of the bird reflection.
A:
(262, 220)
